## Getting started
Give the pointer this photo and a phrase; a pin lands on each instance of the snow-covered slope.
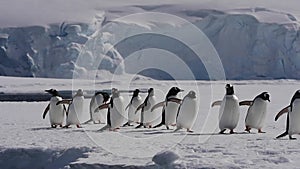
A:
(259, 38)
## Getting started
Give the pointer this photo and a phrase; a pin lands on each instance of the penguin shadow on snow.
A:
(218, 134)
(43, 128)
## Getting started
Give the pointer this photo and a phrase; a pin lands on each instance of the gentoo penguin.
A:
(170, 108)
(115, 113)
(187, 112)
(292, 122)
(229, 111)
(75, 108)
(98, 99)
(56, 112)
(147, 117)
(135, 101)
(257, 111)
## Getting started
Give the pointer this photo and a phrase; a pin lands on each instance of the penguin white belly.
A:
(256, 114)
(294, 118)
(117, 113)
(56, 112)
(98, 115)
(229, 112)
(75, 111)
(187, 113)
(171, 112)
(132, 116)
(151, 118)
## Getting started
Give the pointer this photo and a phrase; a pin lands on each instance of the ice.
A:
(260, 38)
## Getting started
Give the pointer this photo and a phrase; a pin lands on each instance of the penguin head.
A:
(264, 96)
(192, 94)
(296, 95)
(136, 92)
(151, 92)
(229, 89)
(53, 92)
(104, 95)
(79, 92)
(174, 91)
(115, 92)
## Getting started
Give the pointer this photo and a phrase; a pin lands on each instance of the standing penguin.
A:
(187, 112)
(229, 111)
(292, 122)
(147, 117)
(98, 99)
(115, 113)
(170, 108)
(135, 101)
(75, 109)
(257, 111)
(56, 112)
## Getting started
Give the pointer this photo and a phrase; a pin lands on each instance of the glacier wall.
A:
(248, 49)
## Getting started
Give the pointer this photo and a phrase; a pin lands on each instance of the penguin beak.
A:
(268, 100)
(181, 90)
(47, 91)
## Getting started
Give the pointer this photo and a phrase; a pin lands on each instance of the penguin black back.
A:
(149, 92)
(229, 89)
(296, 96)
(135, 94)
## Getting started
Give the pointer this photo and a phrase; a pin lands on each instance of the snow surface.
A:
(75, 38)
(27, 141)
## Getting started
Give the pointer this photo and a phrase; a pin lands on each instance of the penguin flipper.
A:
(65, 101)
(216, 103)
(46, 111)
(176, 100)
(127, 106)
(246, 103)
(284, 110)
(103, 106)
(158, 105)
(139, 108)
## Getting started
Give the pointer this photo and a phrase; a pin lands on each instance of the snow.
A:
(27, 141)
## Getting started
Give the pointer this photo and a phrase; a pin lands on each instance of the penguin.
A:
(187, 112)
(229, 111)
(98, 99)
(147, 117)
(257, 111)
(135, 101)
(293, 116)
(56, 112)
(170, 108)
(115, 112)
(75, 108)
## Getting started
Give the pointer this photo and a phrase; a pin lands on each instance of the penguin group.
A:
(175, 112)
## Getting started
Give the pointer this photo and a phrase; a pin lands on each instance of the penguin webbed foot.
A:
(292, 138)
(66, 126)
(53, 126)
(78, 126)
(222, 131)
(232, 132)
(248, 129)
(189, 130)
(260, 131)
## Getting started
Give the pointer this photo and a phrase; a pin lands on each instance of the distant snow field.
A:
(27, 141)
